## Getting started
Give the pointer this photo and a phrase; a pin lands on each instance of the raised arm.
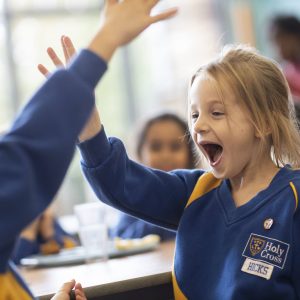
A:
(156, 196)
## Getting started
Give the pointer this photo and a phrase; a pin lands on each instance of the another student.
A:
(285, 32)
(165, 144)
(43, 236)
(238, 225)
(37, 150)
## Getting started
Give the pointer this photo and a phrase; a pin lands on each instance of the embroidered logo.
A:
(256, 245)
(265, 249)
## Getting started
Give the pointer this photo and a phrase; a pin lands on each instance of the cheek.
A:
(182, 159)
(152, 159)
(195, 137)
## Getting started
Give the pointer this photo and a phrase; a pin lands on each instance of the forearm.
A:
(36, 152)
(133, 188)
(92, 127)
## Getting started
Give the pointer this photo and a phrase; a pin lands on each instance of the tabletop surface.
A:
(120, 273)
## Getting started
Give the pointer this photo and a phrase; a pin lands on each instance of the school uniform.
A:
(129, 227)
(222, 252)
(35, 155)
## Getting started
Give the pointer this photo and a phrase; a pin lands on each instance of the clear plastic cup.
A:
(93, 232)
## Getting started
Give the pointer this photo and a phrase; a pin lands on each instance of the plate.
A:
(77, 255)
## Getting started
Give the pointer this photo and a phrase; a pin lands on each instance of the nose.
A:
(201, 125)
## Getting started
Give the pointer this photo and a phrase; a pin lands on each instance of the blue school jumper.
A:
(129, 227)
(222, 252)
(35, 155)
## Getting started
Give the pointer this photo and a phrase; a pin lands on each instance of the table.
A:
(142, 276)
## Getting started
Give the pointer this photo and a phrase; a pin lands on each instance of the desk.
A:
(142, 276)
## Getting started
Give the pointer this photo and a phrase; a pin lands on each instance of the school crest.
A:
(256, 245)
(265, 249)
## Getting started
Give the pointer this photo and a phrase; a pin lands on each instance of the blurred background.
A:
(149, 76)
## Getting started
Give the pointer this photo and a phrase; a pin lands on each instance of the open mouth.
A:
(213, 152)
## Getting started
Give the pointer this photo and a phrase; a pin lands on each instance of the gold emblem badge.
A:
(256, 245)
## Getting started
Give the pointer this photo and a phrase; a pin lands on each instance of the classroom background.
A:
(149, 76)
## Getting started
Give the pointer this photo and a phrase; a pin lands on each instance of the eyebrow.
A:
(210, 101)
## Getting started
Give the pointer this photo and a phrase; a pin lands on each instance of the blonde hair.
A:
(260, 85)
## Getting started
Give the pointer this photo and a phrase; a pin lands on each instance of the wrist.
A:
(103, 44)
(92, 127)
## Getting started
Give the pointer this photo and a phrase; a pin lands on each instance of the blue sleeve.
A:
(37, 150)
(155, 196)
(24, 248)
(129, 227)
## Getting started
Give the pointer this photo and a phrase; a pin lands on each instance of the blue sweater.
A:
(129, 227)
(36, 153)
(222, 252)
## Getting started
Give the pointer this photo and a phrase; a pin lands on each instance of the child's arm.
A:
(130, 227)
(153, 195)
(93, 125)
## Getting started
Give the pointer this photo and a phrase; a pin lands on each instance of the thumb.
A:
(164, 15)
(67, 286)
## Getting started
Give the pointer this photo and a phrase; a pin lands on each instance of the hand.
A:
(93, 125)
(122, 22)
(65, 290)
(46, 226)
(69, 52)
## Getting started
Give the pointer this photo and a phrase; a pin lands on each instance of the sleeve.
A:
(155, 196)
(37, 150)
(24, 248)
(130, 228)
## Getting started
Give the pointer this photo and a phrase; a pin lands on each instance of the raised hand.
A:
(69, 51)
(93, 125)
(122, 22)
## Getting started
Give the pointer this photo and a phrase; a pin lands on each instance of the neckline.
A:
(233, 213)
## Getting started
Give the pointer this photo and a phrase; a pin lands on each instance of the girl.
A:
(163, 144)
(238, 225)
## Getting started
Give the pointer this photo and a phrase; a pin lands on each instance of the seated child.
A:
(43, 236)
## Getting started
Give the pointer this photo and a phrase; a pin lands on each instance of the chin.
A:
(219, 175)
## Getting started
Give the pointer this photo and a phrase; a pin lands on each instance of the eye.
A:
(217, 113)
(194, 116)
(155, 146)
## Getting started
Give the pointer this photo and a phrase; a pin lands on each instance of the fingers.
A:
(151, 3)
(43, 70)
(67, 286)
(68, 47)
(164, 15)
(53, 56)
(66, 55)
(79, 293)
(111, 2)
